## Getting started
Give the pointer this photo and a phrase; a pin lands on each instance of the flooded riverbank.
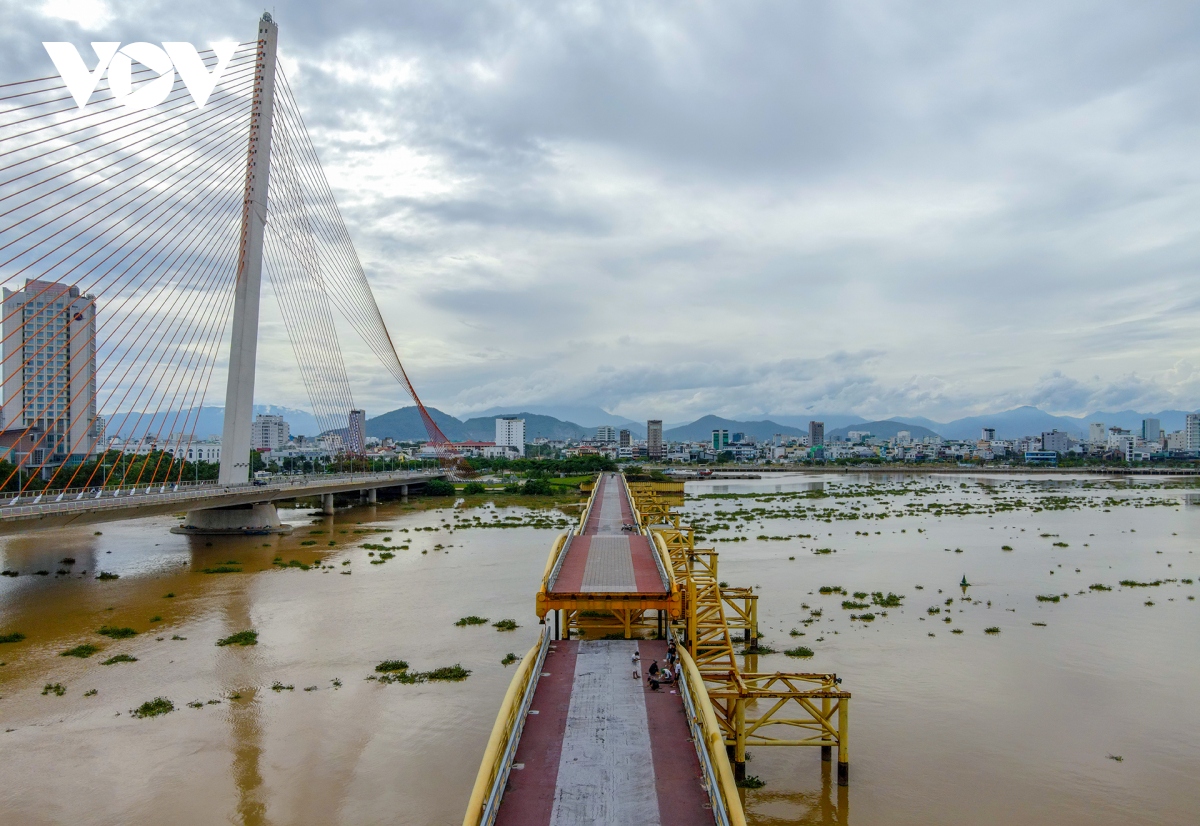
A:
(1022, 725)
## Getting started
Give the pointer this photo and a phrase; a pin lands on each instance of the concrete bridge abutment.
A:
(246, 520)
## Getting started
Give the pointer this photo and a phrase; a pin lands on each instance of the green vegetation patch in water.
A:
(240, 638)
(13, 637)
(82, 651)
(120, 658)
(472, 620)
(116, 633)
(153, 708)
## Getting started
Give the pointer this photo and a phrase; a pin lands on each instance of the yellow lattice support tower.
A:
(752, 708)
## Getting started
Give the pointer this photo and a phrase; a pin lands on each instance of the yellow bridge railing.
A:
(506, 734)
(710, 746)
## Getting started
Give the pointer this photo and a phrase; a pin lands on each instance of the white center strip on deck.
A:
(609, 565)
(610, 506)
(606, 772)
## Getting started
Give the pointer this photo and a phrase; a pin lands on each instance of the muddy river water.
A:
(1023, 725)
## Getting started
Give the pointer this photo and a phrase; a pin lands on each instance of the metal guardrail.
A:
(113, 498)
(557, 554)
(506, 735)
(710, 745)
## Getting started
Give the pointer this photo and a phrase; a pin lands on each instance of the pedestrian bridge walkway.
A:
(580, 739)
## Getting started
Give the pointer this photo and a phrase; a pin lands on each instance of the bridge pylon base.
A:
(241, 520)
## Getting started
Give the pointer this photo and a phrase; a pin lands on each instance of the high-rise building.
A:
(271, 432)
(1096, 434)
(988, 434)
(606, 433)
(816, 434)
(720, 440)
(624, 439)
(654, 439)
(1151, 430)
(1191, 432)
(49, 370)
(356, 433)
(510, 432)
(1056, 441)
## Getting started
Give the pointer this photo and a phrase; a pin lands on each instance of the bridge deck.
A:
(607, 557)
(602, 747)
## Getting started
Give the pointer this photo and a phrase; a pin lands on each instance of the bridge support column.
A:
(843, 746)
(327, 504)
(404, 493)
(243, 520)
(372, 496)
(826, 751)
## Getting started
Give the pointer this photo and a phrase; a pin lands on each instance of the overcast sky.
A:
(742, 208)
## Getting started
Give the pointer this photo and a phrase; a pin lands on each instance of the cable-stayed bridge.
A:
(133, 243)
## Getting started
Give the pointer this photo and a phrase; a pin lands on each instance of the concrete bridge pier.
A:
(404, 493)
(245, 520)
(327, 504)
(372, 495)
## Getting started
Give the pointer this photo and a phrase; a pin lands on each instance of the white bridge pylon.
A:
(243, 340)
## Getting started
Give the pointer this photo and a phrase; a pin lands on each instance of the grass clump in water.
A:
(57, 689)
(850, 605)
(1006, 547)
(506, 625)
(889, 600)
(1099, 586)
(153, 708)
(107, 575)
(472, 620)
(240, 638)
(509, 659)
(992, 630)
(278, 686)
(221, 569)
(1048, 598)
(82, 651)
(860, 595)
(13, 637)
(802, 651)
(120, 658)
(116, 633)
(389, 666)
(752, 781)
(1133, 583)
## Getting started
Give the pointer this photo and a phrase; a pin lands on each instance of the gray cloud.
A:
(764, 207)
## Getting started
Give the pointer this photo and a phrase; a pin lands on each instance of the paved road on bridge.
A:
(80, 507)
(599, 746)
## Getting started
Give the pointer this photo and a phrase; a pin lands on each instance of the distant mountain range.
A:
(203, 422)
(883, 430)
(404, 424)
(1009, 424)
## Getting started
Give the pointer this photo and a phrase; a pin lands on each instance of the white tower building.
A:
(511, 433)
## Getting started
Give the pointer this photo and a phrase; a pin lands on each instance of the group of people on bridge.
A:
(672, 672)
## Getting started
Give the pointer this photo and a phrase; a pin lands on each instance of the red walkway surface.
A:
(610, 511)
(529, 800)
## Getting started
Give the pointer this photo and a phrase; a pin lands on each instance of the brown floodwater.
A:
(1017, 727)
